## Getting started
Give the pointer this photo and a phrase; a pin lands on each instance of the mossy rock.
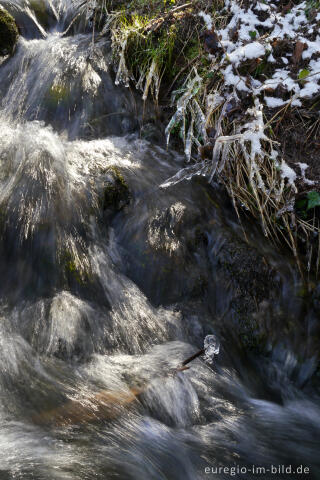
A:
(58, 94)
(41, 12)
(74, 273)
(116, 191)
(8, 33)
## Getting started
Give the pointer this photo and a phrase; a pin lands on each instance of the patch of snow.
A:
(274, 102)
(262, 7)
(207, 20)
(254, 131)
(313, 47)
(303, 167)
(288, 173)
(309, 90)
(286, 26)
(249, 51)
(231, 79)
(296, 103)
(248, 45)
(280, 77)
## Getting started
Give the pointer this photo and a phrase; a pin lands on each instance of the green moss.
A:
(72, 270)
(149, 7)
(8, 33)
(56, 95)
(116, 192)
(143, 50)
(193, 49)
(157, 41)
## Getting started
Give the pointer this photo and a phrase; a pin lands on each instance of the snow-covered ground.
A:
(286, 40)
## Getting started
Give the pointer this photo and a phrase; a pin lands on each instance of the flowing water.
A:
(93, 300)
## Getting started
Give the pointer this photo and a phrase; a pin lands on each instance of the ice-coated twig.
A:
(211, 348)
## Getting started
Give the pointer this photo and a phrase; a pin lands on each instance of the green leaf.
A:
(301, 203)
(303, 74)
(253, 34)
(313, 200)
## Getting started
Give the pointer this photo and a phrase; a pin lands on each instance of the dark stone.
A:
(8, 33)
(116, 191)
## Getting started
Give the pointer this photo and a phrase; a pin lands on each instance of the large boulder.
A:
(8, 33)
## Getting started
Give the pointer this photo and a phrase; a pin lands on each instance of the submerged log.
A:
(106, 405)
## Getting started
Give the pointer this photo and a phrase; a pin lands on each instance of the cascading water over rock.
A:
(96, 299)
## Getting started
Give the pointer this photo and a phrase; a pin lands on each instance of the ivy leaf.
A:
(253, 34)
(303, 74)
(313, 200)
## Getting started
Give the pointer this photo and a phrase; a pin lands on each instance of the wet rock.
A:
(242, 271)
(116, 191)
(42, 12)
(8, 33)
(222, 272)
(151, 132)
(165, 227)
(169, 262)
(245, 268)
(205, 259)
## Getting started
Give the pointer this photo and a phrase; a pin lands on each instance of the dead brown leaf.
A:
(298, 50)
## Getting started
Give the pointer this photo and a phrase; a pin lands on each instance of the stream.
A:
(98, 298)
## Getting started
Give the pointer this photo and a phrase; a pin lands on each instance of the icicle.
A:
(200, 120)
(122, 73)
(187, 173)
(151, 77)
(175, 119)
(224, 156)
(189, 141)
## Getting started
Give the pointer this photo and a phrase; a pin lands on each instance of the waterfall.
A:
(100, 295)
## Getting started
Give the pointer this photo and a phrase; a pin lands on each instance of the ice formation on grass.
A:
(122, 75)
(266, 36)
(187, 104)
